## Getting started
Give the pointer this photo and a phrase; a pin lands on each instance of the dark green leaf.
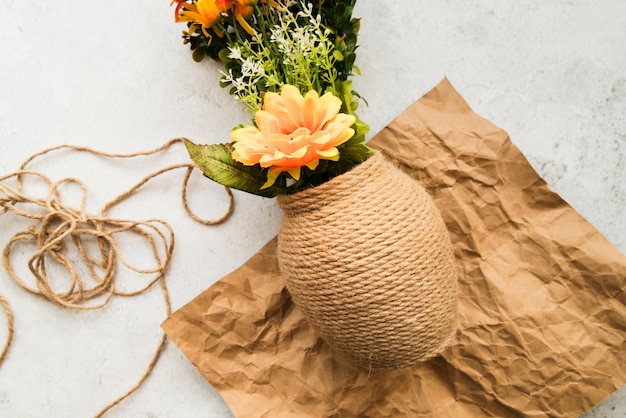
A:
(340, 10)
(199, 54)
(223, 54)
(349, 57)
(232, 65)
(350, 41)
(355, 25)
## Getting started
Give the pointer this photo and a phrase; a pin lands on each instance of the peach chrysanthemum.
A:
(293, 131)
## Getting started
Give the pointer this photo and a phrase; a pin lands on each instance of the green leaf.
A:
(361, 129)
(223, 55)
(350, 41)
(217, 163)
(340, 11)
(350, 57)
(199, 54)
(233, 65)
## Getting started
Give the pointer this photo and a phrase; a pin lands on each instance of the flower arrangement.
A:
(289, 62)
(363, 250)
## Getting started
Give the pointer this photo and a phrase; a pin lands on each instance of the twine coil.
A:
(368, 260)
(59, 226)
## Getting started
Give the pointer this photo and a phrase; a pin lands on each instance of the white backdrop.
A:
(115, 76)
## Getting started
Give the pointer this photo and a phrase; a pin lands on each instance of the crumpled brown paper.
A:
(542, 303)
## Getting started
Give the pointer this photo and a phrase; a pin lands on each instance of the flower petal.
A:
(294, 172)
(313, 164)
(329, 154)
(243, 133)
(267, 122)
(275, 104)
(293, 131)
(272, 175)
(331, 106)
(311, 111)
(294, 103)
(300, 152)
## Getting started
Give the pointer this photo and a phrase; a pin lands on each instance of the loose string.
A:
(61, 226)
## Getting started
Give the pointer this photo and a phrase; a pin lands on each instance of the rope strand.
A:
(9, 315)
(60, 226)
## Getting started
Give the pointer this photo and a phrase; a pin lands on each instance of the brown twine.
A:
(9, 315)
(368, 260)
(60, 224)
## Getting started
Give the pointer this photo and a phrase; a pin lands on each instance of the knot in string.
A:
(82, 247)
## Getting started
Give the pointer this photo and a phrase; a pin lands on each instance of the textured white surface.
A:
(114, 75)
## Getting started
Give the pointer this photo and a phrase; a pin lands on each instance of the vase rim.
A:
(375, 158)
(360, 176)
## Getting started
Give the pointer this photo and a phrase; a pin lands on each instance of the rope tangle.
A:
(61, 228)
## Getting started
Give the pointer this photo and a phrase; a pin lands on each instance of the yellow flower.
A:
(292, 132)
(203, 13)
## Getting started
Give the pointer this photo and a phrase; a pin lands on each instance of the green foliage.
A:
(201, 46)
(216, 162)
(309, 44)
(296, 49)
(337, 17)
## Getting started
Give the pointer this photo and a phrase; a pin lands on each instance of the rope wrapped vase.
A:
(367, 259)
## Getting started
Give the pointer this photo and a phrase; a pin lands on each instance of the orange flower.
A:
(203, 13)
(292, 132)
(243, 9)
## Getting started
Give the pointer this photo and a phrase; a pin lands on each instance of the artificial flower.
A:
(293, 131)
(203, 13)
(243, 10)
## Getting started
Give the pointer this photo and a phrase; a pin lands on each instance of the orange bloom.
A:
(206, 13)
(243, 9)
(203, 13)
(292, 132)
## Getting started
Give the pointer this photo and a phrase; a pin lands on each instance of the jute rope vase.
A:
(367, 259)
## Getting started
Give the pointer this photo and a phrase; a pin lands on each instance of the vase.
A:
(368, 261)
